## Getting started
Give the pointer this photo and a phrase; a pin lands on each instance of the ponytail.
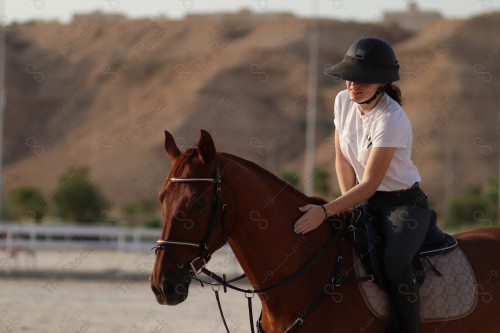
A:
(394, 92)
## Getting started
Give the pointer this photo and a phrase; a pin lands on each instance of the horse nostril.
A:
(155, 290)
(180, 289)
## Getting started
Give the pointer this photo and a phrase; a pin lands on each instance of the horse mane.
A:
(255, 167)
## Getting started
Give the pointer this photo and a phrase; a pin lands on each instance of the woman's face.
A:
(360, 92)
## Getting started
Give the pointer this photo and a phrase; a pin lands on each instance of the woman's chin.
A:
(357, 99)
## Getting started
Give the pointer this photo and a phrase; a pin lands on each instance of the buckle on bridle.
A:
(193, 268)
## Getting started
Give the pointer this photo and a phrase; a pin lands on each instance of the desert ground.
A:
(50, 303)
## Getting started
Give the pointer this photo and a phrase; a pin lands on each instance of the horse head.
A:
(193, 223)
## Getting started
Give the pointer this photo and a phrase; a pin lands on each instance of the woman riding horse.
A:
(373, 144)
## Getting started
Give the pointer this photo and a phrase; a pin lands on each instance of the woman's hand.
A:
(310, 220)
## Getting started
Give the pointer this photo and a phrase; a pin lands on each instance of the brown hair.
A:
(394, 92)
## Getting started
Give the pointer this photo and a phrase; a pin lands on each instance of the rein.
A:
(336, 281)
(218, 213)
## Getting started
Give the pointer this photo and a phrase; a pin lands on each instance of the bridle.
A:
(217, 213)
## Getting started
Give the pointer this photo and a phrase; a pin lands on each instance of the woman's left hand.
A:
(310, 220)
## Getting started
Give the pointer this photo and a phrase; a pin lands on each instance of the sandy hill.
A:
(100, 91)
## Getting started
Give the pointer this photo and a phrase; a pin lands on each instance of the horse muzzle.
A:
(170, 292)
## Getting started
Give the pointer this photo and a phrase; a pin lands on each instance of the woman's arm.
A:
(345, 173)
(376, 168)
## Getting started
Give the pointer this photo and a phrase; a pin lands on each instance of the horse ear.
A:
(206, 147)
(171, 147)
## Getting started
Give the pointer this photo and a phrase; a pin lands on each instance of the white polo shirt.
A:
(386, 125)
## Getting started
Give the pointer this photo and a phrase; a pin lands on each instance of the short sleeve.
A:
(336, 112)
(340, 107)
(392, 129)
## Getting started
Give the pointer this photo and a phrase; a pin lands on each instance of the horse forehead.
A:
(188, 165)
(180, 194)
(182, 168)
(174, 195)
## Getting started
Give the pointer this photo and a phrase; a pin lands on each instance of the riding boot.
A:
(406, 303)
(393, 323)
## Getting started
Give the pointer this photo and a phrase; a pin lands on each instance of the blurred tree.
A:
(477, 207)
(321, 182)
(291, 178)
(77, 198)
(321, 179)
(492, 199)
(26, 203)
(144, 212)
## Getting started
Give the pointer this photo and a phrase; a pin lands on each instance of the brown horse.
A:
(261, 210)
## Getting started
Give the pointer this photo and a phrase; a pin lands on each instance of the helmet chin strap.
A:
(378, 92)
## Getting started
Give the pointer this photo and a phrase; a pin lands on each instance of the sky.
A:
(358, 10)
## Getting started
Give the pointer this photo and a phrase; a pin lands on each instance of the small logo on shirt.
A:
(369, 141)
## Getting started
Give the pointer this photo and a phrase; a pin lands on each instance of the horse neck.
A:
(262, 211)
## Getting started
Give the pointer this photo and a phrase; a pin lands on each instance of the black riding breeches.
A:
(403, 217)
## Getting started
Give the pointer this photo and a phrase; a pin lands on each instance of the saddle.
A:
(448, 292)
(369, 245)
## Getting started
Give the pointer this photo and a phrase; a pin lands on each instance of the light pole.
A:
(498, 194)
(3, 46)
(311, 102)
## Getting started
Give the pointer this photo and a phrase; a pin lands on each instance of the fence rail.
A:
(28, 239)
(43, 236)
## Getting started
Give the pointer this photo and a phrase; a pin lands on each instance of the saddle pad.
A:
(451, 296)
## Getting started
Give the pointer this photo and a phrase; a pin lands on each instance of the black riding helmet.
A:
(369, 60)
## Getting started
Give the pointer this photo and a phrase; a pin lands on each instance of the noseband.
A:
(218, 209)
